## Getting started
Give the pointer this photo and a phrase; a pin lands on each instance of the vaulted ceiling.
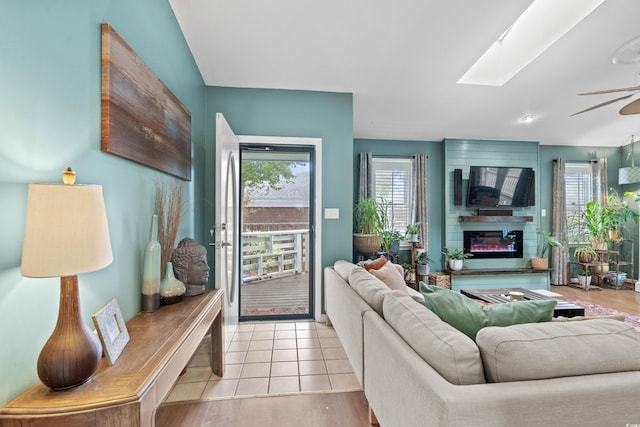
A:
(402, 59)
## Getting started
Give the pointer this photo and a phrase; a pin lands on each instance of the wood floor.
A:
(625, 300)
(331, 409)
(311, 410)
(288, 294)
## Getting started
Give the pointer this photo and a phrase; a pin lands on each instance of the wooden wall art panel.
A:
(142, 120)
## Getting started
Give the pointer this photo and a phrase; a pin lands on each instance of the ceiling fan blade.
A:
(602, 104)
(622, 89)
(631, 108)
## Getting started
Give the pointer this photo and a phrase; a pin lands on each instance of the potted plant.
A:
(546, 241)
(391, 242)
(456, 258)
(584, 277)
(594, 223)
(367, 226)
(422, 263)
(585, 254)
(409, 273)
(413, 232)
(615, 213)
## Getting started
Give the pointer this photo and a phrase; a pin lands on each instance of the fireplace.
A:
(493, 244)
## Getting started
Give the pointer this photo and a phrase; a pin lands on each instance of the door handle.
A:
(220, 245)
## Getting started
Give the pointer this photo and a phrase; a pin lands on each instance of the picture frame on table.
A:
(112, 330)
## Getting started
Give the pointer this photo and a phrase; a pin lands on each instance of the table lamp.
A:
(66, 233)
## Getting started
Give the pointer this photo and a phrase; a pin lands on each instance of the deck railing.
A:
(270, 254)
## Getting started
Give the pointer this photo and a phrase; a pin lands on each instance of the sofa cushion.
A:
(344, 268)
(375, 264)
(390, 276)
(452, 354)
(469, 316)
(552, 350)
(370, 289)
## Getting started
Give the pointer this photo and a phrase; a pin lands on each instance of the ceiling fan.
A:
(631, 108)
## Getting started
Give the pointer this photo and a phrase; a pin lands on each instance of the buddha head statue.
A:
(190, 265)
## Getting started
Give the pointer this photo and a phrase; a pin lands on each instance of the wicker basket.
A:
(441, 280)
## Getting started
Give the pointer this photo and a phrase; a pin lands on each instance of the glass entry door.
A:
(276, 247)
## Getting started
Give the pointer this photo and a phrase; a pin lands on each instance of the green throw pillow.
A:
(469, 317)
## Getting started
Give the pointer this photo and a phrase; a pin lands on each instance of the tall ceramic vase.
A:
(172, 290)
(151, 271)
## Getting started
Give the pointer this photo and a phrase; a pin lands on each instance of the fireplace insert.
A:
(493, 244)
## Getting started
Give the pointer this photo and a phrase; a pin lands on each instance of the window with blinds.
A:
(393, 189)
(579, 191)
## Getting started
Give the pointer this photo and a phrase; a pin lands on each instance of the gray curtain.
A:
(421, 197)
(364, 182)
(559, 256)
(600, 180)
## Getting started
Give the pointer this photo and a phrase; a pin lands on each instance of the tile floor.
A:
(270, 358)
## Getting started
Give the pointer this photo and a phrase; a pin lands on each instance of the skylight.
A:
(539, 27)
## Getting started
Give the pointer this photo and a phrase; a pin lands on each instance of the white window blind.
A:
(579, 191)
(393, 189)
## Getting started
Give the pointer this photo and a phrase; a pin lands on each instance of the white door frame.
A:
(316, 143)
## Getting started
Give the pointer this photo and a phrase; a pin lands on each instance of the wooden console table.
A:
(128, 393)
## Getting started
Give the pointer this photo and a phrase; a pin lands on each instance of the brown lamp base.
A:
(72, 353)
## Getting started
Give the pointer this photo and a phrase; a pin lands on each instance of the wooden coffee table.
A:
(499, 296)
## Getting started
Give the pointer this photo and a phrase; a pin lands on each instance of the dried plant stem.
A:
(169, 200)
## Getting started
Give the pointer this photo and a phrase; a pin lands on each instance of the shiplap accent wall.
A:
(461, 154)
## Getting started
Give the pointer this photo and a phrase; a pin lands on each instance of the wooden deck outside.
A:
(283, 295)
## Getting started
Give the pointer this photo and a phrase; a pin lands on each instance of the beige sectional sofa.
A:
(417, 370)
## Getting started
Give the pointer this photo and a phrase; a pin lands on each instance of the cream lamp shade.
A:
(66, 231)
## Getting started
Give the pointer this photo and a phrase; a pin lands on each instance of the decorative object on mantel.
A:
(112, 330)
(456, 258)
(169, 199)
(151, 271)
(171, 289)
(190, 265)
(142, 120)
(66, 233)
(546, 242)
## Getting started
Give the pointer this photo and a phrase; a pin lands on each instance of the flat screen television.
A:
(500, 186)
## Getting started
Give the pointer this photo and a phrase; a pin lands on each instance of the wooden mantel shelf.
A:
(128, 392)
(494, 272)
(495, 218)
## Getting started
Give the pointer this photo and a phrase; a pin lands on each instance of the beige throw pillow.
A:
(390, 275)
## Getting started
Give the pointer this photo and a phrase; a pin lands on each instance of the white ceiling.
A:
(401, 60)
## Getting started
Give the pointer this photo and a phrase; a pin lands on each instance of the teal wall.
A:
(289, 113)
(50, 119)
(460, 154)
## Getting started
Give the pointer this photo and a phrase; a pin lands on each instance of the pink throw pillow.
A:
(390, 275)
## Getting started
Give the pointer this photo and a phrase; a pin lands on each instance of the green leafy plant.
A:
(412, 228)
(367, 218)
(585, 254)
(616, 212)
(456, 254)
(423, 258)
(389, 238)
(546, 241)
(582, 271)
